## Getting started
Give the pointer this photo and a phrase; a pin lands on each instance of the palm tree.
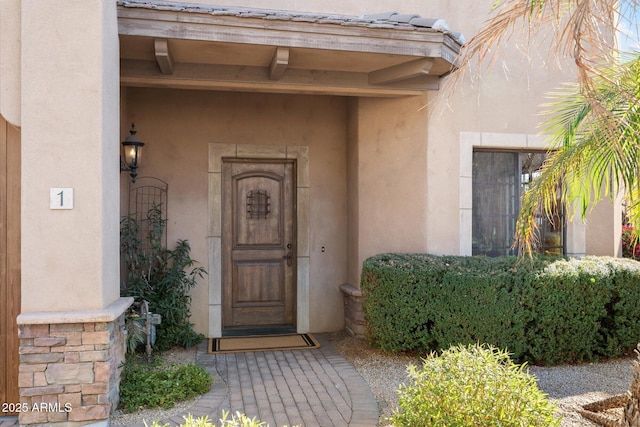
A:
(594, 121)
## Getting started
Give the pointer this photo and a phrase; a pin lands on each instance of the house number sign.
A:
(61, 198)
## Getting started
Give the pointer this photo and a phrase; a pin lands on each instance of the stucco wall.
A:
(353, 236)
(69, 97)
(606, 216)
(177, 127)
(388, 169)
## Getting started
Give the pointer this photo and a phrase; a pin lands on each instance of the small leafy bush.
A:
(161, 276)
(160, 385)
(546, 311)
(472, 386)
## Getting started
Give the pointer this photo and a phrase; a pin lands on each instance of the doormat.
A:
(262, 343)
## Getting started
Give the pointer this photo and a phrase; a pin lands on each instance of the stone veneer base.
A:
(70, 365)
(353, 311)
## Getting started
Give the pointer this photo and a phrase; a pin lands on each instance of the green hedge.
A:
(545, 311)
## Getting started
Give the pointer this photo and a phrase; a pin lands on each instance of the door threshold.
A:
(258, 330)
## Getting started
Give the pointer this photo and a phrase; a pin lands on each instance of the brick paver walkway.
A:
(310, 388)
(8, 421)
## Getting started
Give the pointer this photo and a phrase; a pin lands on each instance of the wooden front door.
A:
(258, 245)
(9, 261)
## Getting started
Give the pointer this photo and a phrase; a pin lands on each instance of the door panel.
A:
(262, 272)
(258, 244)
(260, 217)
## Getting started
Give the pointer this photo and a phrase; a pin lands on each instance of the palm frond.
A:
(594, 155)
(583, 30)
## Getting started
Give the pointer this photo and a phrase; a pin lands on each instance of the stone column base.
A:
(70, 365)
(353, 311)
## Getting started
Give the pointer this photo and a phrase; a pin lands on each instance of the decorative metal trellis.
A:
(145, 194)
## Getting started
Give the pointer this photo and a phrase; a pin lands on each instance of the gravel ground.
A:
(569, 386)
(572, 386)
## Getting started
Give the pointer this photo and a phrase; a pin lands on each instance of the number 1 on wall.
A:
(61, 198)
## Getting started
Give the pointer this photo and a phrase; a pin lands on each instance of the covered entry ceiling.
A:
(180, 45)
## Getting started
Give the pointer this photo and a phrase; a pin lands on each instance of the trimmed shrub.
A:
(567, 302)
(472, 386)
(544, 311)
(620, 330)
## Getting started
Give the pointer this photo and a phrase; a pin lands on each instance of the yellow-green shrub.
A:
(472, 386)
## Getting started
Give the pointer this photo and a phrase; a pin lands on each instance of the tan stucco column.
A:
(386, 185)
(387, 178)
(70, 135)
(604, 228)
(70, 326)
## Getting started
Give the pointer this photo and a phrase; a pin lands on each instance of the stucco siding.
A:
(70, 101)
(392, 175)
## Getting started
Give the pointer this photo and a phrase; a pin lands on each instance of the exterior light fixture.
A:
(132, 153)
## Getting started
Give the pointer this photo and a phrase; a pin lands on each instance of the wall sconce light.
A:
(132, 153)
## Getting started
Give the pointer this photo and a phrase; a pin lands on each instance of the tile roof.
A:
(389, 20)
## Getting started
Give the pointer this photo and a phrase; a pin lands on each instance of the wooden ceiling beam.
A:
(400, 72)
(279, 63)
(163, 56)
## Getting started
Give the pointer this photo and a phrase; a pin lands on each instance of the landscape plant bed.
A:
(161, 383)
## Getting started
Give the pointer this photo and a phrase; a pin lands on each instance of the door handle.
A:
(289, 258)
